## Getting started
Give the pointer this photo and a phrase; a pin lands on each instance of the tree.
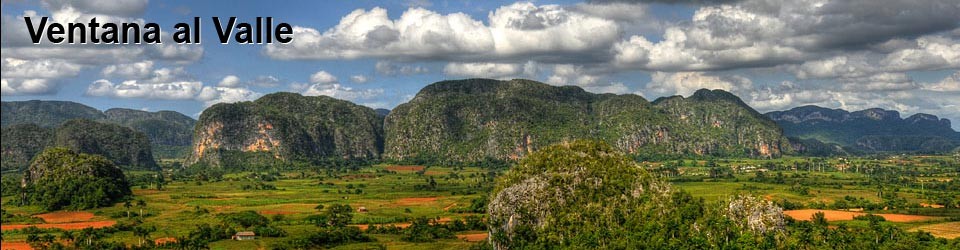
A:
(142, 232)
(339, 215)
(141, 204)
(127, 205)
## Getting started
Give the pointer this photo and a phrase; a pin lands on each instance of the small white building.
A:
(247, 235)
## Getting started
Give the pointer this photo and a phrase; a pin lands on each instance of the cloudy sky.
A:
(850, 54)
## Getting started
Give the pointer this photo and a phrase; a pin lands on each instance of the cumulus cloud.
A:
(339, 91)
(230, 81)
(326, 84)
(567, 74)
(520, 29)
(44, 68)
(685, 83)
(34, 77)
(33, 86)
(48, 63)
(233, 81)
(177, 90)
(213, 95)
(764, 34)
(137, 70)
(168, 84)
(322, 77)
(484, 70)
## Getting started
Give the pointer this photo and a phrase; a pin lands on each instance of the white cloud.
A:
(950, 83)
(137, 70)
(42, 68)
(567, 74)
(177, 90)
(322, 77)
(359, 79)
(520, 29)
(685, 83)
(103, 7)
(764, 34)
(230, 81)
(36, 76)
(213, 95)
(17, 86)
(339, 91)
(484, 70)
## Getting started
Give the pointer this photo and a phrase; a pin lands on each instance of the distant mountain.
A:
(286, 127)
(45, 113)
(871, 130)
(382, 112)
(169, 132)
(477, 119)
(121, 145)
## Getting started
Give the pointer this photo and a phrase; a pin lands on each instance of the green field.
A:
(398, 196)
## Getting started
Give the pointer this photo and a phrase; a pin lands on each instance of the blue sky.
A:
(775, 55)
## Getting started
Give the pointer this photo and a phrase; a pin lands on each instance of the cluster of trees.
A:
(62, 179)
(251, 221)
(423, 229)
(333, 230)
(630, 209)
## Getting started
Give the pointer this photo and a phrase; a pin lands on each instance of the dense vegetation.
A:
(121, 145)
(481, 119)
(586, 195)
(45, 113)
(286, 127)
(869, 131)
(169, 132)
(59, 178)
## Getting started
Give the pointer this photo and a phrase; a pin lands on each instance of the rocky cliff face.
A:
(477, 119)
(870, 130)
(287, 127)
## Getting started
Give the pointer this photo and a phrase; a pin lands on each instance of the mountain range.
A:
(868, 131)
(471, 120)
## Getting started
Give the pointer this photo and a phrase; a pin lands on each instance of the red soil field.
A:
(65, 216)
(164, 240)
(64, 226)
(473, 237)
(6, 245)
(834, 215)
(405, 168)
(414, 201)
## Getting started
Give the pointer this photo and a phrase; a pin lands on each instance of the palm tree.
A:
(142, 233)
(141, 204)
(127, 205)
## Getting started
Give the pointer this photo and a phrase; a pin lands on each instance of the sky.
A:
(775, 55)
